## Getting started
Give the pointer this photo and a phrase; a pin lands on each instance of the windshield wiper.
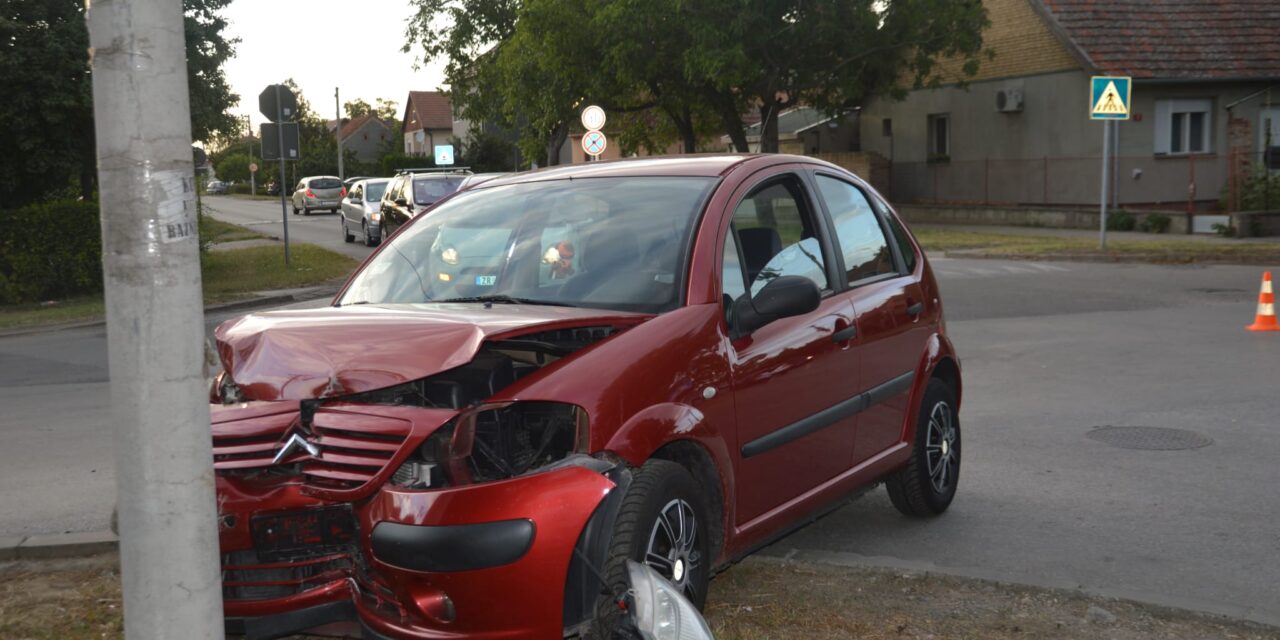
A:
(504, 299)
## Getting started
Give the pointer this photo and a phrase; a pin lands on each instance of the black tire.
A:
(295, 211)
(333, 211)
(370, 241)
(659, 488)
(346, 237)
(306, 211)
(927, 485)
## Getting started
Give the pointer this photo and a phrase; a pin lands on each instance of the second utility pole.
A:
(337, 132)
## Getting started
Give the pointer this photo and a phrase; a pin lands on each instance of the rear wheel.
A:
(346, 235)
(927, 485)
(306, 211)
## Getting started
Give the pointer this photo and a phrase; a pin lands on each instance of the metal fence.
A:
(1196, 183)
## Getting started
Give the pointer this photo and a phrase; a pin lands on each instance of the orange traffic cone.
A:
(1266, 318)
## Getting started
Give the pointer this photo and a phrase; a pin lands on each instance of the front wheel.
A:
(927, 485)
(346, 235)
(664, 522)
(369, 240)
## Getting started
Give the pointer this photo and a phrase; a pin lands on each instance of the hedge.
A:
(50, 251)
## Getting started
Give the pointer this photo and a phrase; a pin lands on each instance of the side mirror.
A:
(783, 297)
(401, 202)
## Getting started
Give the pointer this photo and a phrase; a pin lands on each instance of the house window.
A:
(939, 136)
(1183, 126)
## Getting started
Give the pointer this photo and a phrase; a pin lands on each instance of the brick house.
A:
(428, 121)
(1204, 99)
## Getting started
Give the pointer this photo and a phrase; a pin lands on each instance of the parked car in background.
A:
(362, 209)
(273, 188)
(669, 362)
(215, 187)
(318, 192)
(415, 190)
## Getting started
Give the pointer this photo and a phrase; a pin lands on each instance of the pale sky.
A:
(322, 44)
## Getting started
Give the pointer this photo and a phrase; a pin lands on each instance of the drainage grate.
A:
(1149, 438)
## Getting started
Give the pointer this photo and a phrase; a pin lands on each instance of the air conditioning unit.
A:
(1009, 100)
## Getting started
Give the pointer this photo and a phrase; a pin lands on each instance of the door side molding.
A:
(830, 415)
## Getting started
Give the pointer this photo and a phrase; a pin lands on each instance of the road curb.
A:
(251, 303)
(53, 546)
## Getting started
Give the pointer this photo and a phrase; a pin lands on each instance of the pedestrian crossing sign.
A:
(1109, 97)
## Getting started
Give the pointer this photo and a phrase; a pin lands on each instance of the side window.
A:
(731, 273)
(357, 194)
(861, 238)
(777, 232)
(900, 236)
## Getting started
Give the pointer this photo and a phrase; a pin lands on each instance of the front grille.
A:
(353, 448)
(245, 578)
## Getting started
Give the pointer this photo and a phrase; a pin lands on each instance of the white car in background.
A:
(318, 192)
(362, 209)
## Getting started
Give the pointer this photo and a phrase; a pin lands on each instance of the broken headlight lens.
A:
(495, 442)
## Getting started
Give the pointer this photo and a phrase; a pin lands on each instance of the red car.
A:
(673, 360)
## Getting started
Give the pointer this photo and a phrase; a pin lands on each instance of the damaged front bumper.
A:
(336, 551)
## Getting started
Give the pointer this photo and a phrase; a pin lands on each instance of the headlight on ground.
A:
(661, 611)
(495, 442)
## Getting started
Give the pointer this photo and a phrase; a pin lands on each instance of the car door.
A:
(889, 307)
(353, 205)
(792, 376)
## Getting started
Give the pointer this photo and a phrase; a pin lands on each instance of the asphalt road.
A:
(1050, 351)
(320, 228)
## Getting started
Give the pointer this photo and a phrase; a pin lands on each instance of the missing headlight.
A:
(496, 442)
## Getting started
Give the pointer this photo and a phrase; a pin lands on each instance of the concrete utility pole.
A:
(164, 462)
(253, 185)
(337, 132)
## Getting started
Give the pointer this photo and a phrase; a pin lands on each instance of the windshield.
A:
(326, 183)
(373, 190)
(608, 243)
(428, 190)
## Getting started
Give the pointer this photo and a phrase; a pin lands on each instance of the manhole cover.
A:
(1149, 438)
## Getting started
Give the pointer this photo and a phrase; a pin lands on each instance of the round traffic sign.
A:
(253, 167)
(594, 143)
(593, 118)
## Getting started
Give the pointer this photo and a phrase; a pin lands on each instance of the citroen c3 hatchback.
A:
(665, 360)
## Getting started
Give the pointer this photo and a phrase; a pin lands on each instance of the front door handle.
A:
(846, 334)
(915, 309)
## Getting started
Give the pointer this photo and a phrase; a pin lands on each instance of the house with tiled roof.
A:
(1205, 107)
(368, 135)
(429, 120)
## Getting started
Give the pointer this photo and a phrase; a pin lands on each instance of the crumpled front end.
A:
(328, 533)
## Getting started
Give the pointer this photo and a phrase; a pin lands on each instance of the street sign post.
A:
(253, 167)
(443, 155)
(1109, 99)
(279, 105)
(593, 118)
(594, 143)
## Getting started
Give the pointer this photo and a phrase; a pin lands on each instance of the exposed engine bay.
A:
(484, 442)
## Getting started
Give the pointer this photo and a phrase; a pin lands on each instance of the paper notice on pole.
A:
(175, 219)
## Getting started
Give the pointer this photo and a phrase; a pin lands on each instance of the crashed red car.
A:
(671, 360)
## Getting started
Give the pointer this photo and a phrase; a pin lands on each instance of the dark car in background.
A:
(666, 361)
(413, 191)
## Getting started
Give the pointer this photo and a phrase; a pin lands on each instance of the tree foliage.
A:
(48, 146)
(698, 66)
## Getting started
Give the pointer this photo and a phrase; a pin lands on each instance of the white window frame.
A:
(1166, 110)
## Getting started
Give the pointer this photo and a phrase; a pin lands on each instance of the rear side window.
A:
(428, 190)
(904, 243)
(861, 238)
(326, 183)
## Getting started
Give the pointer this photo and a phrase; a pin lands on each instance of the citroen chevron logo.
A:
(291, 446)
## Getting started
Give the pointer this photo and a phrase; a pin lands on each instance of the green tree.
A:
(233, 167)
(356, 108)
(48, 146)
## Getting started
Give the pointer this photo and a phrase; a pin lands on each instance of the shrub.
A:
(1121, 221)
(1155, 223)
(243, 188)
(50, 251)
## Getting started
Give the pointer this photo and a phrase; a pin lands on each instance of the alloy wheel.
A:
(673, 545)
(941, 447)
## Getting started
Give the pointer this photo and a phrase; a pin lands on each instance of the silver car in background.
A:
(318, 192)
(362, 209)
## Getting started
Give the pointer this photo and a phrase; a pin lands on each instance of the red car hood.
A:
(317, 353)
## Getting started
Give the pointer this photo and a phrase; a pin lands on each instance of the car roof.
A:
(696, 165)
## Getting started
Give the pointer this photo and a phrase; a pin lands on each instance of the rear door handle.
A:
(915, 309)
(846, 334)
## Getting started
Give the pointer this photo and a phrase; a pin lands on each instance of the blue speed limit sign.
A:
(594, 143)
